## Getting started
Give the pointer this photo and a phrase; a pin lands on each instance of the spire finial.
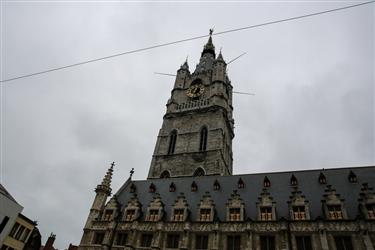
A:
(131, 172)
(211, 31)
(108, 176)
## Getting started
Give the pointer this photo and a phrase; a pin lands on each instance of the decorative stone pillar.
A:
(367, 240)
(323, 240)
(249, 241)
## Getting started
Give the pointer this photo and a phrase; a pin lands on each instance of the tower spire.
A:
(209, 46)
(108, 176)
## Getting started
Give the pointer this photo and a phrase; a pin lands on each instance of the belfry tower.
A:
(197, 131)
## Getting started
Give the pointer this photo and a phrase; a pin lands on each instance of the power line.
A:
(184, 40)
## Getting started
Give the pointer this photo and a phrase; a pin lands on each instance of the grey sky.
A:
(313, 79)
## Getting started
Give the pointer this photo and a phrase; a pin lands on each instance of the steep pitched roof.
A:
(5, 192)
(280, 189)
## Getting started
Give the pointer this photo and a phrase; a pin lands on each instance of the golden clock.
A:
(195, 91)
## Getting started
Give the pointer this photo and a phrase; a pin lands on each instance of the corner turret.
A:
(103, 191)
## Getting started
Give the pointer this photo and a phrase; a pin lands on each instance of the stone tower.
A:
(197, 131)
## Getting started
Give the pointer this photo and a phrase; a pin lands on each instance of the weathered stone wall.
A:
(322, 234)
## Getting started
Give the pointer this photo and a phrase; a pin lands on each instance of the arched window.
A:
(352, 177)
(241, 184)
(266, 182)
(322, 178)
(216, 185)
(152, 188)
(194, 187)
(293, 180)
(165, 174)
(199, 172)
(203, 141)
(172, 187)
(172, 142)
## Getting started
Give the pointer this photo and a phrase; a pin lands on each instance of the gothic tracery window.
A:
(172, 142)
(203, 139)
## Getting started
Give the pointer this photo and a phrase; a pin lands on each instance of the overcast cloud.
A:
(313, 80)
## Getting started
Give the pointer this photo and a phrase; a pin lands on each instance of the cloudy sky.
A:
(313, 79)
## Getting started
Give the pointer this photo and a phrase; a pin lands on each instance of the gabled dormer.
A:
(111, 209)
(235, 208)
(367, 202)
(180, 209)
(155, 210)
(266, 206)
(133, 210)
(206, 209)
(333, 205)
(298, 206)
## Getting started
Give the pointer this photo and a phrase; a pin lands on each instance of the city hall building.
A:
(192, 200)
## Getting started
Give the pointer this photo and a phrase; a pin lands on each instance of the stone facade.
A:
(207, 207)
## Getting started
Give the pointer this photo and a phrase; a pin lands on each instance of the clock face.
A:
(195, 90)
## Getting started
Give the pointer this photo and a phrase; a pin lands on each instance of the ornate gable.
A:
(155, 210)
(133, 209)
(235, 207)
(333, 206)
(367, 202)
(298, 206)
(206, 208)
(266, 206)
(180, 209)
(111, 209)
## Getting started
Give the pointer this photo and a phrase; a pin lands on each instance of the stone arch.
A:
(199, 172)
(165, 174)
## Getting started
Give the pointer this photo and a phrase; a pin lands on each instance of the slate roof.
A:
(280, 190)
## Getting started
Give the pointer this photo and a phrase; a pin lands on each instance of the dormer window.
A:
(153, 215)
(352, 177)
(108, 215)
(241, 184)
(133, 188)
(172, 187)
(216, 185)
(266, 213)
(194, 187)
(205, 214)
(130, 215)
(370, 211)
(152, 188)
(178, 214)
(293, 180)
(266, 182)
(322, 178)
(335, 212)
(299, 213)
(234, 214)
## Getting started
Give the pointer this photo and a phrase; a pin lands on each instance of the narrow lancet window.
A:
(203, 141)
(172, 142)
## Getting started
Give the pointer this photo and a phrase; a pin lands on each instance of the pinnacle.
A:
(108, 177)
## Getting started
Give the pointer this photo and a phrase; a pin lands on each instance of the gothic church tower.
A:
(197, 131)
